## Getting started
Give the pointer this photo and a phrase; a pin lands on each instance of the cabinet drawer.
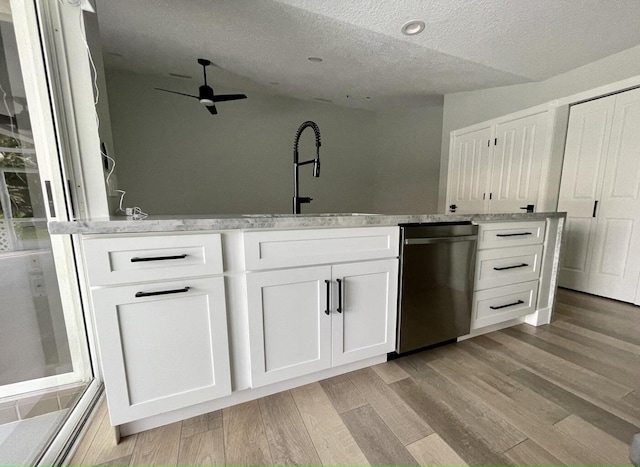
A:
(118, 260)
(504, 266)
(501, 304)
(505, 234)
(287, 248)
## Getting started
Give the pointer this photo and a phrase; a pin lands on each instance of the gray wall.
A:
(408, 160)
(467, 108)
(175, 158)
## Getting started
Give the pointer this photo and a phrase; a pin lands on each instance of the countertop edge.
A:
(257, 222)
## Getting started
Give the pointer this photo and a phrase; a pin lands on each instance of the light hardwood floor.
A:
(566, 393)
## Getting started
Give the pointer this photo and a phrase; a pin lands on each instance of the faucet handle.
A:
(305, 199)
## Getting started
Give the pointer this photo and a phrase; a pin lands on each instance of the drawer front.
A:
(504, 266)
(118, 260)
(288, 248)
(501, 304)
(506, 234)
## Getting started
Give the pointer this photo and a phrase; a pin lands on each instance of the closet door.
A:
(469, 171)
(615, 266)
(517, 161)
(584, 158)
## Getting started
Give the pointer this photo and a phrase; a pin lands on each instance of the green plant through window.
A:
(19, 178)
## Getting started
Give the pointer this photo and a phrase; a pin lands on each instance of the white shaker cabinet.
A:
(161, 322)
(290, 333)
(366, 295)
(306, 319)
(508, 266)
(163, 345)
(499, 166)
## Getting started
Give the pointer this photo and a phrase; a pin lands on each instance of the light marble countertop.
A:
(173, 223)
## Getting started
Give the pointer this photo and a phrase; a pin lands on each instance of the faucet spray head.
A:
(316, 167)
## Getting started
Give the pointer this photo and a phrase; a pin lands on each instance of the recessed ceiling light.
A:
(314, 59)
(178, 75)
(321, 99)
(413, 27)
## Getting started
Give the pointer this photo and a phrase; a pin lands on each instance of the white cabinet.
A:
(498, 166)
(367, 299)
(306, 319)
(290, 333)
(600, 191)
(163, 343)
(469, 171)
(508, 266)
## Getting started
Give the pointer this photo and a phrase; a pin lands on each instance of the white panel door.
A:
(163, 346)
(583, 167)
(517, 161)
(364, 312)
(615, 265)
(469, 171)
(289, 323)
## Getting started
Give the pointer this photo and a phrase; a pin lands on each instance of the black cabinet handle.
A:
(507, 305)
(328, 283)
(157, 258)
(162, 292)
(595, 208)
(514, 234)
(512, 267)
(339, 309)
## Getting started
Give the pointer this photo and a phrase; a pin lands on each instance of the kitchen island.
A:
(196, 313)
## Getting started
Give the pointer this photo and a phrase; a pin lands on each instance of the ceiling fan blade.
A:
(212, 109)
(228, 97)
(176, 92)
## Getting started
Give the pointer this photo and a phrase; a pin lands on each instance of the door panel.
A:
(366, 326)
(290, 334)
(162, 352)
(585, 152)
(470, 166)
(616, 268)
(517, 161)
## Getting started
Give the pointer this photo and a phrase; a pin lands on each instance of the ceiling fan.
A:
(205, 94)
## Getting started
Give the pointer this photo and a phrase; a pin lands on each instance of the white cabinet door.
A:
(615, 264)
(469, 171)
(290, 331)
(366, 297)
(163, 346)
(584, 159)
(517, 161)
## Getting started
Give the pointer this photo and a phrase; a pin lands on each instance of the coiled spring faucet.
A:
(297, 199)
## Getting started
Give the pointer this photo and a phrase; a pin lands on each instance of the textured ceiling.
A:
(467, 44)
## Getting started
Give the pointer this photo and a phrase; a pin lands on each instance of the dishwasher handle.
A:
(427, 241)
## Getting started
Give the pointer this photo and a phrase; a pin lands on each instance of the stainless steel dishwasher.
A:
(436, 283)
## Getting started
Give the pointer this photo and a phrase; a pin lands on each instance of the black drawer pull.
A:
(514, 234)
(339, 309)
(512, 267)
(507, 305)
(157, 258)
(327, 310)
(162, 292)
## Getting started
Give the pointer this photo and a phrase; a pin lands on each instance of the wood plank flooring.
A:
(563, 394)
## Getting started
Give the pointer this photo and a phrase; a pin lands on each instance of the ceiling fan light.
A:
(206, 102)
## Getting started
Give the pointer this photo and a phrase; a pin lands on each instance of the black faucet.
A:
(297, 200)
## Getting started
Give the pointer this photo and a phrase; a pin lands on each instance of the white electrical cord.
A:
(136, 212)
